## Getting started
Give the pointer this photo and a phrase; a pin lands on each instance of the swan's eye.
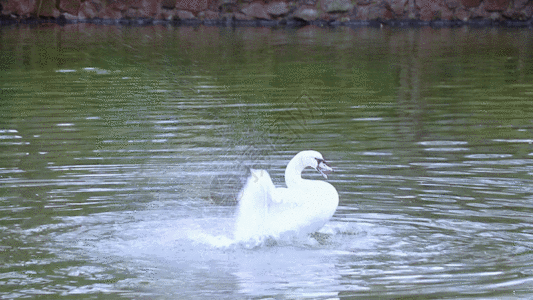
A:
(319, 161)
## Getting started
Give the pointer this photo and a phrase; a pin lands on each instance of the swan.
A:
(303, 207)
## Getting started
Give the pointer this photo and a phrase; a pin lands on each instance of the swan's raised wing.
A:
(266, 211)
(254, 201)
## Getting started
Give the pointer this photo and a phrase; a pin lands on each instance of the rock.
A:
(479, 12)
(361, 13)
(496, 16)
(228, 7)
(471, 3)
(241, 16)
(49, 11)
(451, 4)
(427, 14)
(192, 5)
(131, 9)
(132, 3)
(376, 11)
(23, 8)
(88, 10)
(185, 15)
(496, 5)
(138, 8)
(278, 8)
(132, 13)
(68, 16)
(331, 6)
(255, 10)
(462, 15)
(328, 17)
(167, 14)
(519, 4)
(429, 10)
(528, 10)
(110, 13)
(46, 9)
(213, 5)
(513, 14)
(398, 7)
(70, 6)
(121, 5)
(151, 9)
(364, 2)
(208, 15)
(446, 14)
(306, 13)
(223, 2)
(168, 4)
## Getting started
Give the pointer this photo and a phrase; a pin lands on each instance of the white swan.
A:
(301, 208)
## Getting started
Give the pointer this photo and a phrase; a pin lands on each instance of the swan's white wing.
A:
(300, 211)
(254, 201)
(268, 211)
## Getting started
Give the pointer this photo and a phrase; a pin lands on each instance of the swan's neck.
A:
(293, 172)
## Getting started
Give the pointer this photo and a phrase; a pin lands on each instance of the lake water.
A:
(122, 150)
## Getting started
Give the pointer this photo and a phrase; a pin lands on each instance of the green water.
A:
(122, 150)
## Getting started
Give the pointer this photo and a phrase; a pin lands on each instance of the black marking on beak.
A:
(321, 164)
(319, 160)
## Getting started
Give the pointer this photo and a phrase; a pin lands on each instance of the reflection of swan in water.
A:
(301, 208)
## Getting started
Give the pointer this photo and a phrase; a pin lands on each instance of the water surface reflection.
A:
(120, 162)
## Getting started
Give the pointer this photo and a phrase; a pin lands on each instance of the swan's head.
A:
(315, 160)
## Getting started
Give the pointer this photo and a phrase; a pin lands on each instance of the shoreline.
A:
(272, 23)
(272, 13)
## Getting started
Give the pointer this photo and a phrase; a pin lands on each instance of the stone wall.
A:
(271, 12)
